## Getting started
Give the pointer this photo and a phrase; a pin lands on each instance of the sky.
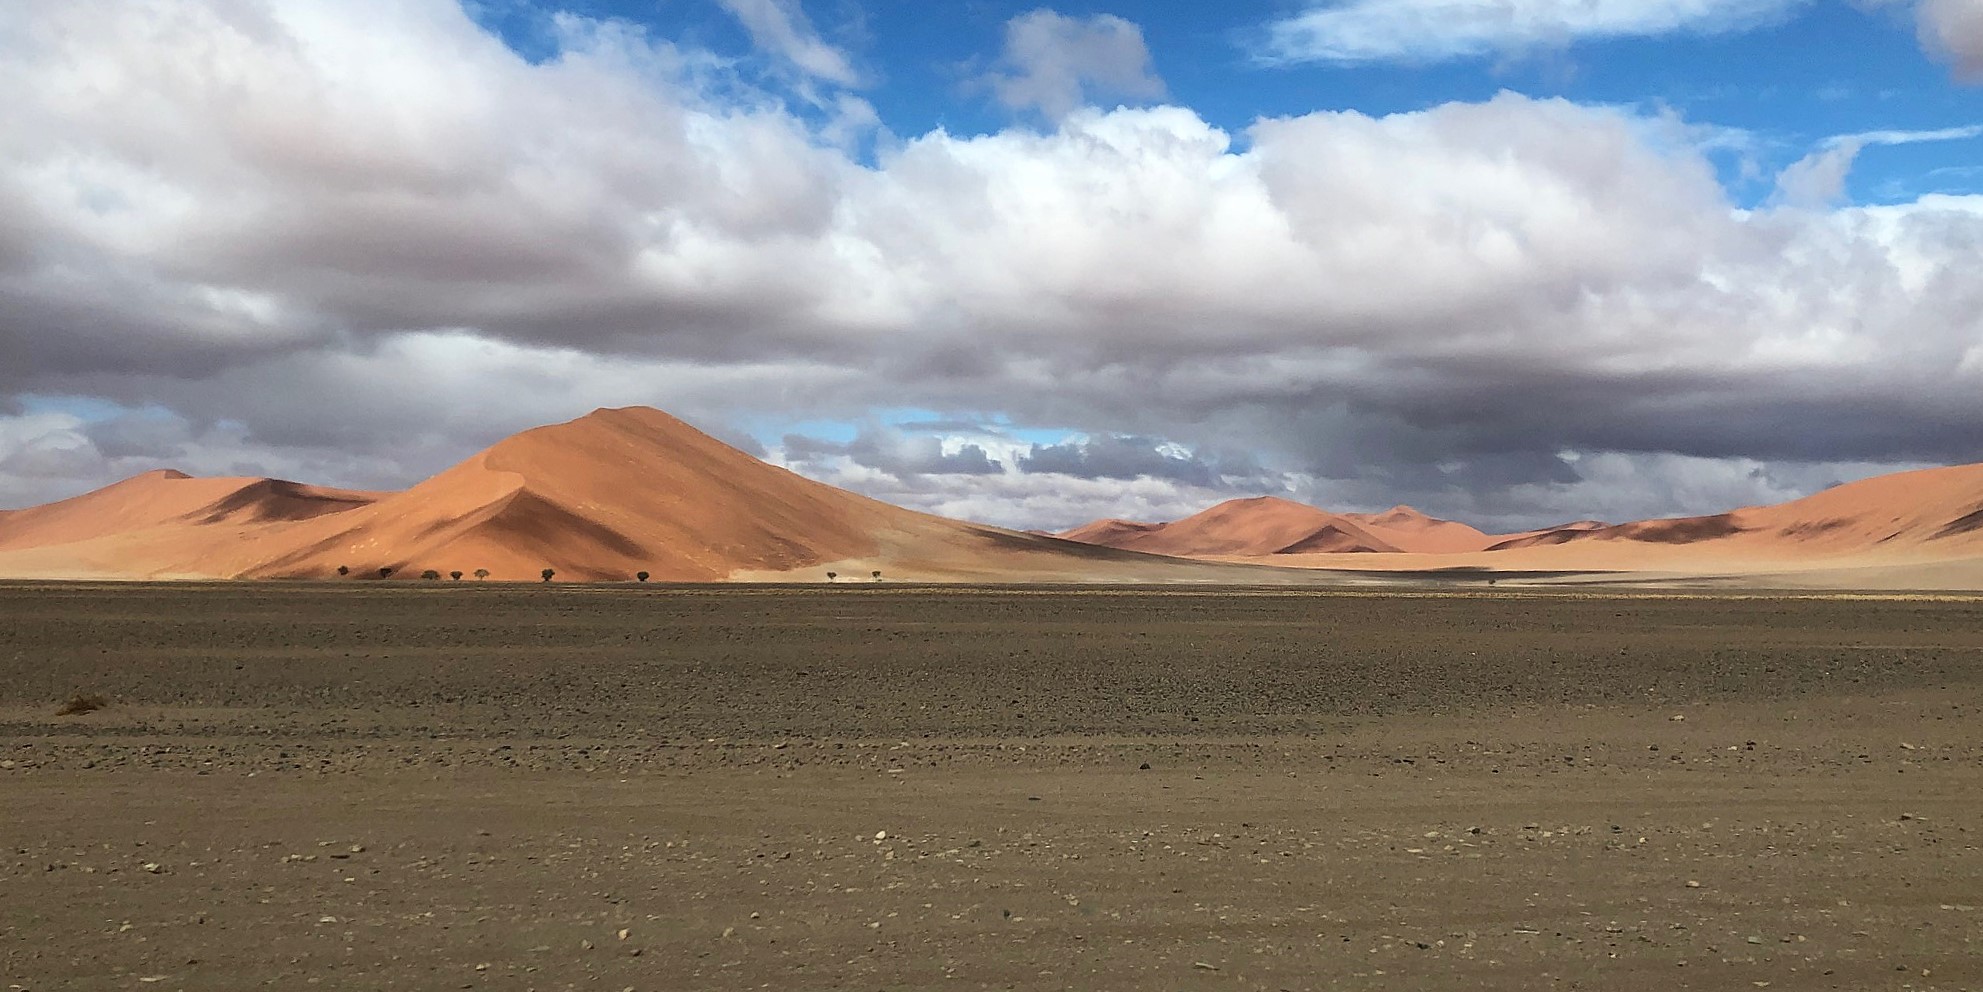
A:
(1515, 262)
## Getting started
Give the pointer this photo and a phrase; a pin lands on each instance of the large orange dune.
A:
(604, 497)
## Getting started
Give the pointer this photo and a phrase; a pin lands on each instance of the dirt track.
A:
(450, 787)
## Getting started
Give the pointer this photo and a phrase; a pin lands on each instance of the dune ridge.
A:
(1924, 526)
(603, 497)
(624, 491)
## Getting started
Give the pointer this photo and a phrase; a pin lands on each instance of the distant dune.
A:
(1922, 529)
(1269, 525)
(1263, 525)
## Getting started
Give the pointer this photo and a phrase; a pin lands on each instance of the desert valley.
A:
(1366, 495)
(622, 492)
(1266, 746)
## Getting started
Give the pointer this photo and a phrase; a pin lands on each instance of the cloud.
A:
(1818, 179)
(1054, 63)
(1122, 456)
(1953, 30)
(1901, 137)
(353, 242)
(782, 28)
(1347, 32)
(894, 452)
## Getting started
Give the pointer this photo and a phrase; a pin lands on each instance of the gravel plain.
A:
(435, 786)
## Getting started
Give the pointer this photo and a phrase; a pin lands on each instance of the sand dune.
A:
(1263, 525)
(1269, 525)
(600, 498)
(1921, 529)
(165, 498)
(1409, 530)
(1927, 515)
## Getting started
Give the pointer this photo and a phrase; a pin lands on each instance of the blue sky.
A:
(1813, 72)
(1511, 261)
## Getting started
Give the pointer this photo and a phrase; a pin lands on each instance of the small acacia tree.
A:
(456, 575)
(877, 576)
(830, 576)
(641, 576)
(482, 574)
(547, 573)
(385, 571)
(430, 575)
(344, 570)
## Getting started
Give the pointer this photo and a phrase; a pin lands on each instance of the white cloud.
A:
(1353, 31)
(1055, 64)
(1900, 137)
(370, 238)
(1818, 179)
(782, 28)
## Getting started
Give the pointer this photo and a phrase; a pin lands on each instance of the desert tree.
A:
(482, 574)
(831, 576)
(547, 573)
(640, 576)
(456, 575)
(877, 575)
(430, 575)
(344, 570)
(385, 571)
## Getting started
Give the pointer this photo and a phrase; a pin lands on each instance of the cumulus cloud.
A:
(1054, 63)
(1354, 31)
(352, 242)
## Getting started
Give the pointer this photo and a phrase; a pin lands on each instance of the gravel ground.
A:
(507, 787)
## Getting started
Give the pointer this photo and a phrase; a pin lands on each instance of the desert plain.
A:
(888, 786)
